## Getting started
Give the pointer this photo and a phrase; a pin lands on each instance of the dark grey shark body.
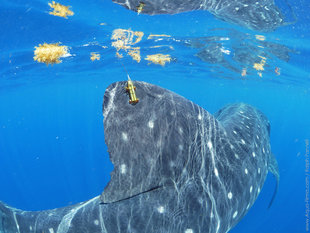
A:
(258, 15)
(177, 169)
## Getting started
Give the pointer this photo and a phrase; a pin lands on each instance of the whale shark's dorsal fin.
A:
(274, 169)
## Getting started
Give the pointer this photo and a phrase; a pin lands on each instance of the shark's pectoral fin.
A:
(274, 169)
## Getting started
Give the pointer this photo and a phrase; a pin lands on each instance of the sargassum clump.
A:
(50, 53)
(94, 56)
(260, 66)
(60, 10)
(134, 52)
(124, 39)
(160, 59)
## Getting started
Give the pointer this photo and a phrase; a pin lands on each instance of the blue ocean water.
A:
(52, 149)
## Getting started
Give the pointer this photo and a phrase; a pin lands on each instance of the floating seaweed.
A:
(260, 66)
(50, 53)
(94, 56)
(124, 40)
(135, 54)
(60, 10)
(160, 59)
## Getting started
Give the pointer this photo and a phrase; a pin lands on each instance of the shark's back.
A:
(177, 168)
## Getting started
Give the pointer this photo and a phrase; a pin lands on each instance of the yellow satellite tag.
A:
(140, 7)
(131, 89)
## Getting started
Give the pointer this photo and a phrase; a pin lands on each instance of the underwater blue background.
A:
(52, 149)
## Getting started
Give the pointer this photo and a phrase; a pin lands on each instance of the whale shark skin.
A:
(258, 15)
(177, 168)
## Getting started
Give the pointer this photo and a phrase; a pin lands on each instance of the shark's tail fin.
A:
(7, 222)
(274, 169)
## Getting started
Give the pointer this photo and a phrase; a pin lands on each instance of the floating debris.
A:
(124, 39)
(277, 71)
(103, 24)
(50, 53)
(60, 10)
(160, 59)
(94, 56)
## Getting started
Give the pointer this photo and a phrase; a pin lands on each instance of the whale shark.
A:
(244, 50)
(258, 15)
(177, 168)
